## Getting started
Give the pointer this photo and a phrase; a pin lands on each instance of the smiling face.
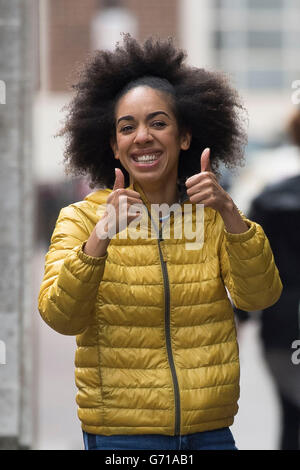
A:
(147, 140)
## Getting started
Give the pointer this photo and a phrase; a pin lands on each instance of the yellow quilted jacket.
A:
(154, 325)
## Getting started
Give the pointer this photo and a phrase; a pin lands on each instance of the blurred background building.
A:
(257, 43)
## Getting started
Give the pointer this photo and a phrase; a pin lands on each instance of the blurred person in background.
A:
(277, 209)
(157, 363)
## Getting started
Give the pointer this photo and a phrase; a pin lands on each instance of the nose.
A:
(143, 135)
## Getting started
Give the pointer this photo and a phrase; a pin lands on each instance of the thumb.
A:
(119, 180)
(205, 160)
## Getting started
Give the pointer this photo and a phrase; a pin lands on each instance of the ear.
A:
(114, 147)
(185, 140)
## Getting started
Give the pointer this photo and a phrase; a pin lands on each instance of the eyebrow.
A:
(149, 116)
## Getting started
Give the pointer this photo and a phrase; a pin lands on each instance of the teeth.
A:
(146, 158)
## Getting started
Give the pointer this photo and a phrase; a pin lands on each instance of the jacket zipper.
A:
(168, 335)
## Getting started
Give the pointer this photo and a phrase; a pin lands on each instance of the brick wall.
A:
(69, 38)
(155, 17)
(69, 31)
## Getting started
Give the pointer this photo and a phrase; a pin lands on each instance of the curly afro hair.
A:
(204, 103)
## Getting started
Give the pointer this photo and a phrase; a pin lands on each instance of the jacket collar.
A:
(183, 197)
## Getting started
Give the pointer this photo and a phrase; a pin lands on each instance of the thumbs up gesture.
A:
(203, 188)
(122, 207)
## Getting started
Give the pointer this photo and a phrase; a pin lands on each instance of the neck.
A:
(167, 193)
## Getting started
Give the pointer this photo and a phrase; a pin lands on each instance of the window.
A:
(229, 39)
(265, 4)
(230, 4)
(265, 79)
(261, 39)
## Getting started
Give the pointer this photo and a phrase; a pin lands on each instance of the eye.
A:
(159, 124)
(125, 129)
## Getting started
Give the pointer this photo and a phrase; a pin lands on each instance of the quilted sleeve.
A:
(71, 278)
(248, 268)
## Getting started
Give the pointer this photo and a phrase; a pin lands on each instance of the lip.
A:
(146, 164)
(145, 152)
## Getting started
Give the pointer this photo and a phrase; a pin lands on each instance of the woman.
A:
(157, 363)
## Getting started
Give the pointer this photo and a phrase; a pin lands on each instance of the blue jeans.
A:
(219, 439)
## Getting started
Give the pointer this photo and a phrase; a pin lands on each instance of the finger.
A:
(119, 179)
(124, 192)
(131, 200)
(122, 195)
(205, 160)
(196, 179)
(132, 193)
(192, 180)
(135, 210)
(198, 187)
(203, 198)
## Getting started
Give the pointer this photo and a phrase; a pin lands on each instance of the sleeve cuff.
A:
(92, 260)
(242, 237)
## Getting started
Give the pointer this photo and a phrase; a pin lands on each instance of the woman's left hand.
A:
(203, 188)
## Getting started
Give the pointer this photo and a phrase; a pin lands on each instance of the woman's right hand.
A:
(122, 207)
